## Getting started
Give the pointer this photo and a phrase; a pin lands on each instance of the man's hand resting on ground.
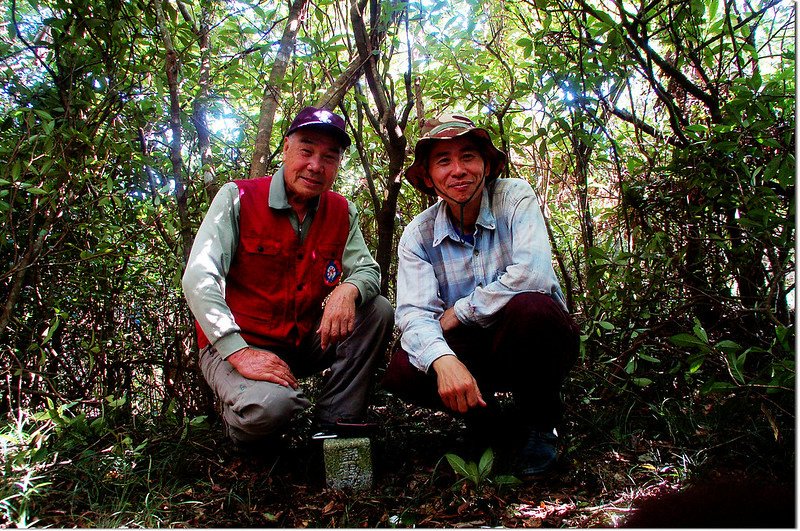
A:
(262, 365)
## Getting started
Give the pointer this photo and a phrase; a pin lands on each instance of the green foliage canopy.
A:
(659, 138)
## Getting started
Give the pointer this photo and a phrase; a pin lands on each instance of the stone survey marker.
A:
(348, 463)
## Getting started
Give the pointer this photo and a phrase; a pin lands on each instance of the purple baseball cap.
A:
(321, 119)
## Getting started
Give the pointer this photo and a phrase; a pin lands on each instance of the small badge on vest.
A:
(332, 273)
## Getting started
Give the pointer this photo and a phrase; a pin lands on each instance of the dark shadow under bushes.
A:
(65, 470)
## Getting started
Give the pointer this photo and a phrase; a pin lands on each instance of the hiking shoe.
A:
(540, 453)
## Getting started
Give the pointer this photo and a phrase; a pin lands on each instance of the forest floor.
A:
(415, 486)
(192, 478)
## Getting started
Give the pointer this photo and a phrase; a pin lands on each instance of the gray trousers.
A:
(253, 409)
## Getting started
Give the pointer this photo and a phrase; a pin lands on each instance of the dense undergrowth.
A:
(62, 469)
(660, 139)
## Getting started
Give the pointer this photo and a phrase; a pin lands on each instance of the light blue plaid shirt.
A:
(436, 270)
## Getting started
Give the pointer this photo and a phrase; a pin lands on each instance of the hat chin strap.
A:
(461, 204)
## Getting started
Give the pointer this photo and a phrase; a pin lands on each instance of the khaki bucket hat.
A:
(445, 127)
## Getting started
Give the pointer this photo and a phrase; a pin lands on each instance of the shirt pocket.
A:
(259, 246)
(326, 252)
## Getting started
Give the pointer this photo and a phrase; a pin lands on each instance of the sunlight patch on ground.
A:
(543, 509)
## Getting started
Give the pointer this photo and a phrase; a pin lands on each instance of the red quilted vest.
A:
(275, 285)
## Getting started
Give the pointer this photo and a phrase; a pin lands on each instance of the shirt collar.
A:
(443, 228)
(277, 193)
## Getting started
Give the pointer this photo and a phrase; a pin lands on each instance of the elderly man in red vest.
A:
(282, 285)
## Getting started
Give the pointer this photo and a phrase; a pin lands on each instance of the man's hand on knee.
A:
(449, 320)
(262, 365)
(339, 314)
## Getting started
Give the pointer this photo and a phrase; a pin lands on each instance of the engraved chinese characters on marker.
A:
(348, 463)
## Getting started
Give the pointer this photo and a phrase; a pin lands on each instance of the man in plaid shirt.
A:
(478, 302)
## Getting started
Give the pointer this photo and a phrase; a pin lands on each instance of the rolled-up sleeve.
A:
(418, 304)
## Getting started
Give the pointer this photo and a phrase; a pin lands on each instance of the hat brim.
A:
(416, 173)
(341, 136)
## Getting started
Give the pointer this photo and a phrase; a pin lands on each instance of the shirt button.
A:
(476, 252)
(260, 249)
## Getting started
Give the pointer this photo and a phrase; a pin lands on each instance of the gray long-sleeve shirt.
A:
(214, 248)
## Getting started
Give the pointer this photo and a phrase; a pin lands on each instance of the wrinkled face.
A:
(456, 170)
(310, 161)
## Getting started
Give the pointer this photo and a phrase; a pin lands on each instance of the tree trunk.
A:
(388, 128)
(269, 103)
(200, 106)
(172, 68)
(21, 267)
